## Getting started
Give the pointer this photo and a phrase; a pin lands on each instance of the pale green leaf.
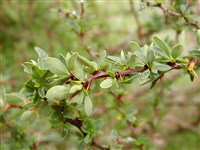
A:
(182, 38)
(57, 93)
(89, 63)
(14, 99)
(141, 56)
(198, 36)
(177, 51)
(27, 115)
(78, 98)
(150, 56)
(56, 66)
(106, 83)
(88, 105)
(145, 74)
(123, 59)
(163, 46)
(163, 67)
(41, 52)
(134, 46)
(76, 88)
(71, 61)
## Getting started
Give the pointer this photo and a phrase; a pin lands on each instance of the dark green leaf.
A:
(64, 132)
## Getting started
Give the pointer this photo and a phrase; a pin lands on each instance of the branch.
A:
(174, 13)
(79, 123)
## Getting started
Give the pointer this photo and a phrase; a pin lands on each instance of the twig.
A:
(78, 123)
(174, 13)
(139, 27)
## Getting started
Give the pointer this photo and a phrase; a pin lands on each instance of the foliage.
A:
(67, 92)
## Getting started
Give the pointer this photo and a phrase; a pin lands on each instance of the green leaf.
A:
(198, 36)
(62, 59)
(163, 67)
(177, 51)
(92, 64)
(150, 56)
(56, 66)
(71, 61)
(87, 139)
(182, 38)
(106, 83)
(114, 59)
(57, 93)
(14, 99)
(76, 88)
(134, 46)
(88, 105)
(163, 46)
(123, 59)
(111, 74)
(141, 56)
(41, 91)
(160, 1)
(154, 83)
(27, 115)
(41, 52)
(64, 132)
(145, 74)
(99, 123)
(2, 103)
(78, 98)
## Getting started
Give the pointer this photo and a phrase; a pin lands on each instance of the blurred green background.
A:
(26, 24)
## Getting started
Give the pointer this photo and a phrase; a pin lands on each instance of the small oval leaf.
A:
(27, 115)
(57, 93)
(163, 67)
(88, 105)
(14, 99)
(76, 88)
(134, 46)
(177, 51)
(78, 98)
(106, 83)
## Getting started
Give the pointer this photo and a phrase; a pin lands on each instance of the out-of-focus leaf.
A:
(14, 99)
(27, 115)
